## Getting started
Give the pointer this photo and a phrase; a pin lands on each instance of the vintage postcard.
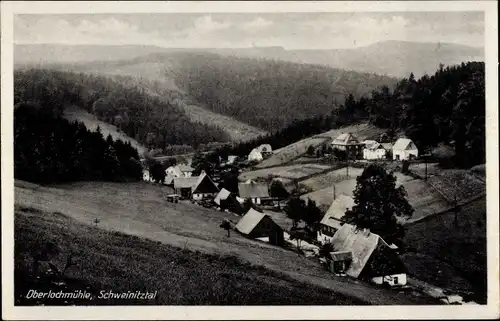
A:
(249, 160)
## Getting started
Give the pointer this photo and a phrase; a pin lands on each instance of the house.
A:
(265, 150)
(404, 149)
(255, 156)
(185, 169)
(184, 185)
(256, 192)
(374, 150)
(145, 176)
(204, 187)
(255, 224)
(227, 200)
(349, 143)
(231, 159)
(372, 258)
(180, 170)
(331, 221)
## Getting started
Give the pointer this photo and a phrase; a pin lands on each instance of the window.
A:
(396, 280)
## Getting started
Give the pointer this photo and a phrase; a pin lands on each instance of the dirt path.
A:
(138, 209)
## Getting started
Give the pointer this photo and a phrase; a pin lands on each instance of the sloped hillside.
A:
(123, 103)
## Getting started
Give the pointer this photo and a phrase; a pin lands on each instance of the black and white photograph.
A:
(259, 158)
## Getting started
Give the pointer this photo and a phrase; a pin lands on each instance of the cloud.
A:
(206, 24)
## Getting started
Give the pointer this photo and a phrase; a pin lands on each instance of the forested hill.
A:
(447, 107)
(263, 93)
(268, 94)
(152, 121)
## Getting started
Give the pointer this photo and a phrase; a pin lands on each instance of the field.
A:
(458, 184)
(451, 255)
(291, 172)
(289, 153)
(140, 209)
(121, 263)
(72, 113)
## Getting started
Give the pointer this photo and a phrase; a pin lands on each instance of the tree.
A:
(227, 226)
(294, 209)
(157, 172)
(377, 204)
(278, 190)
(312, 215)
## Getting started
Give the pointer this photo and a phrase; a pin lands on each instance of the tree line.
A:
(447, 107)
(126, 103)
(50, 149)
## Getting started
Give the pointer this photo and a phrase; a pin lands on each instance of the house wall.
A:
(391, 279)
(256, 200)
(199, 196)
(187, 174)
(404, 154)
(325, 234)
(374, 154)
(267, 228)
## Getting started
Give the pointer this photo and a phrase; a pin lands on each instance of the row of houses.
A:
(402, 149)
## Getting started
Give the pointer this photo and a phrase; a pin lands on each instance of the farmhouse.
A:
(259, 153)
(204, 187)
(256, 192)
(374, 150)
(180, 170)
(259, 225)
(404, 149)
(255, 156)
(331, 221)
(349, 143)
(195, 187)
(184, 185)
(372, 258)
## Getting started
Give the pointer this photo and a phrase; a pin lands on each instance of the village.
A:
(260, 200)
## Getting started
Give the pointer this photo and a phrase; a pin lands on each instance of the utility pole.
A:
(347, 161)
(334, 192)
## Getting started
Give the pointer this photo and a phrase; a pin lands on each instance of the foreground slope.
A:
(141, 210)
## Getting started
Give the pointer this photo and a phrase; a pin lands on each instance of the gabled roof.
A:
(338, 208)
(185, 182)
(223, 195)
(387, 146)
(205, 178)
(249, 221)
(253, 190)
(345, 139)
(402, 144)
(361, 243)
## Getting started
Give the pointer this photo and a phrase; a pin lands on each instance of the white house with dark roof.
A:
(331, 221)
(253, 191)
(404, 149)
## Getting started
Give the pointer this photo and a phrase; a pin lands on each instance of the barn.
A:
(255, 224)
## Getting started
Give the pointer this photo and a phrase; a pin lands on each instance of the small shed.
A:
(255, 224)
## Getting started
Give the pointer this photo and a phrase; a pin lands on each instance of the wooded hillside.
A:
(152, 121)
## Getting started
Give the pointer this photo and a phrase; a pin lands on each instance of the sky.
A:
(237, 30)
